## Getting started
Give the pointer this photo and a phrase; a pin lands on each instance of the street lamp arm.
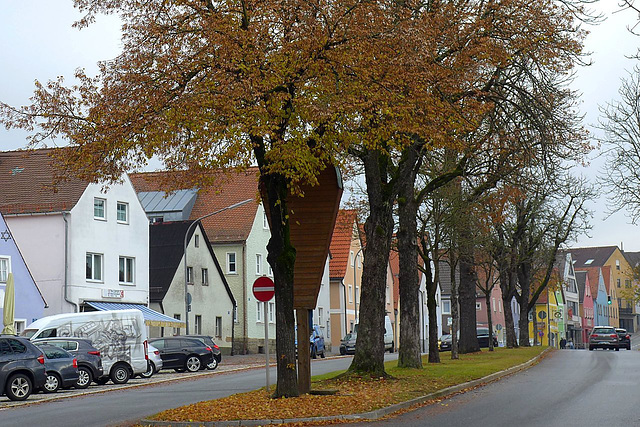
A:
(186, 268)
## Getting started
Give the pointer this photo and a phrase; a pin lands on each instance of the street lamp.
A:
(186, 237)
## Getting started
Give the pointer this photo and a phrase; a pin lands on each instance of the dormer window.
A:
(589, 261)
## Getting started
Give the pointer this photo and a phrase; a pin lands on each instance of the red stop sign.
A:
(263, 289)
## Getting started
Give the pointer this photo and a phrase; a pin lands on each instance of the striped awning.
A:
(151, 317)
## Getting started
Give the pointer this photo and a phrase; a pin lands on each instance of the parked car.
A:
(624, 338)
(88, 356)
(348, 343)
(316, 340)
(604, 337)
(483, 338)
(21, 367)
(183, 354)
(217, 354)
(155, 362)
(444, 344)
(61, 368)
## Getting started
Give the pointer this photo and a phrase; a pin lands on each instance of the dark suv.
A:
(89, 359)
(624, 338)
(217, 355)
(21, 367)
(181, 353)
(604, 337)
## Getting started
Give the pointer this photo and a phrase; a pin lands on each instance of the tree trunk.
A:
(408, 280)
(434, 353)
(509, 325)
(487, 298)
(369, 357)
(523, 301)
(467, 291)
(281, 257)
(455, 312)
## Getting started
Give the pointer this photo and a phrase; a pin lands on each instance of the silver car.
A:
(155, 362)
(604, 337)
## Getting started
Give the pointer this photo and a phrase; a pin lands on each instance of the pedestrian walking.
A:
(563, 343)
(570, 345)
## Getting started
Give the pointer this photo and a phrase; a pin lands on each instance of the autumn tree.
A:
(204, 85)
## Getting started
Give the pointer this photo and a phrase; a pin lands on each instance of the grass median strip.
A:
(355, 394)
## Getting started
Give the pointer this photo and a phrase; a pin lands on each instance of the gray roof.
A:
(581, 279)
(177, 202)
(598, 256)
(633, 258)
(445, 277)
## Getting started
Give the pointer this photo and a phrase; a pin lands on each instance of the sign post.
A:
(263, 290)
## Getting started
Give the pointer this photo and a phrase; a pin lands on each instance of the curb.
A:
(365, 416)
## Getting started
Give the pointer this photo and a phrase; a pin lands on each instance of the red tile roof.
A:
(341, 243)
(27, 181)
(606, 273)
(228, 188)
(594, 279)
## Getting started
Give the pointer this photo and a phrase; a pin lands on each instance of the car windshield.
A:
(445, 338)
(28, 333)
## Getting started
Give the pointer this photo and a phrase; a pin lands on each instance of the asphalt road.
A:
(567, 388)
(120, 407)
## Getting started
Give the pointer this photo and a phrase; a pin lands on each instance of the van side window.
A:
(47, 333)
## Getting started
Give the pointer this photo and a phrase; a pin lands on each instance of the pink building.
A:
(586, 302)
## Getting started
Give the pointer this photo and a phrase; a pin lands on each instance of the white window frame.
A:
(198, 324)
(446, 307)
(352, 259)
(189, 275)
(218, 327)
(493, 304)
(93, 276)
(272, 312)
(176, 331)
(129, 267)
(388, 295)
(4, 271)
(233, 264)
(478, 306)
(196, 240)
(259, 307)
(265, 221)
(126, 213)
(258, 264)
(104, 208)
(350, 293)
(205, 276)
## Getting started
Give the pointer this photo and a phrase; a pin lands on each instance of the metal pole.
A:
(186, 237)
(266, 342)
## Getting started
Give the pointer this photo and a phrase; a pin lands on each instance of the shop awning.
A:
(151, 317)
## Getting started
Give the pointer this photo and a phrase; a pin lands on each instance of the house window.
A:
(198, 326)
(196, 241)
(265, 221)
(388, 295)
(627, 283)
(357, 294)
(205, 277)
(493, 304)
(231, 263)
(4, 269)
(218, 327)
(176, 331)
(500, 306)
(258, 264)
(478, 306)
(272, 312)
(259, 311)
(350, 293)
(190, 275)
(351, 326)
(122, 215)
(320, 310)
(94, 267)
(235, 314)
(617, 264)
(328, 328)
(127, 266)
(351, 258)
(618, 282)
(446, 307)
(99, 208)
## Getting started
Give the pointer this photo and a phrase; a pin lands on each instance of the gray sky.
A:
(37, 42)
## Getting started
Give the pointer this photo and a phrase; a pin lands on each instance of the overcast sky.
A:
(38, 42)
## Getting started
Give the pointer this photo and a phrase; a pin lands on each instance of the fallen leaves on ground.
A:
(355, 394)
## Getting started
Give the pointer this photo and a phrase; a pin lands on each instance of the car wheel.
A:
(193, 364)
(151, 369)
(343, 351)
(18, 387)
(617, 348)
(213, 364)
(84, 377)
(52, 384)
(629, 347)
(322, 354)
(590, 348)
(120, 374)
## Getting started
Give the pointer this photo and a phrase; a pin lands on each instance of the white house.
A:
(84, 245)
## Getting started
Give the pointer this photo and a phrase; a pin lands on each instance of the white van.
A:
(349, 342)
(388, 335)
(120, 335)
